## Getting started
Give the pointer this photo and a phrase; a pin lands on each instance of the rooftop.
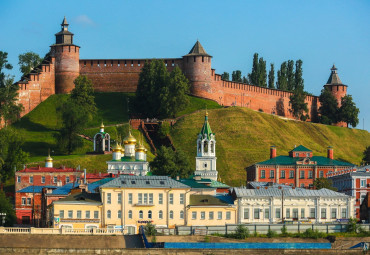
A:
(301, 148)
(65, 190)
(334, 78)
(35, 189)
(82, 197)
(197, 50)
(129, 181)
(48, 170)
(355, 171)
(93, 186)
(259, 185)
(287, 160)
(219, 200)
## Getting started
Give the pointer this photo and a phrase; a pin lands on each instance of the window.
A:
(130, 198)
(140, 198)
(141, 215)
(363, 183)
(219, 215)
(149, 214)
(70, 214)
(323, 213)
(61, 214)
(256, 213)
(67, 179)
(301, 174)
(96, 214)
(211, 215)
(344, 213)
(109, 214)
(78, 214)
(109, 198)
(194, 215)
(119, 214)
(160, 214)
(310, 174)
(287, 213)
(18, 179)
(171, 214)
(333, 213)
(228, 215)
(23, 201)
(321, 174)
(31, 179)
(278, 213)
(291, 174)
(282, 174)
(160, 199)
(272, 174)
(295, 213)
(246, 213)
(312, 213)
(182, 196)
(181, 214)
(130, 214)
(307, 154)
(145, 198)
(267, 213)
(302, 213)
(87, 214)
(29, 201)
(55, 179)
(262, 174)
(42, 179)
(297, 154)
(202, 215)
(151, 198)
(119, 199)
(171, 199)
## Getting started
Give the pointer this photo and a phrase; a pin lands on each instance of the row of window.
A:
(288, 215)
(146, 198)
(210, 215)
(142, 214)
(70, 214)
(55, 179)
(26, 201)
(291, 174)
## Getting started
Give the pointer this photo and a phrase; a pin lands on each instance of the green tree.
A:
(298, 104)
(282, 82)
(290, 75)
(28, 61)
(323, 183)
(7, 207)
(172, 163)
(253, 76)
(298, 75)
(348, 112)
(225, 76)
(366, 157)
(272, 77)
(245, 80)
(83, 95)
(10, 110)
(236, 76)
(329, 107)
(4, 65)
(262, 74)
(164, 129)
(11, 154)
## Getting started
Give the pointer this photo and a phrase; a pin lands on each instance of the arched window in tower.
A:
(212, 147)
(205, 146)
(199, 146)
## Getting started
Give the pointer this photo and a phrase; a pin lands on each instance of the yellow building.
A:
(80, 210)
(132, 201)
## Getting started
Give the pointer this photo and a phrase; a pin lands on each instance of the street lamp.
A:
(3, 215)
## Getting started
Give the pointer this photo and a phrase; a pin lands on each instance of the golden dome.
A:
(117, 147)
(49, 159)
(130, 139)
(101, 125)
(140, 148)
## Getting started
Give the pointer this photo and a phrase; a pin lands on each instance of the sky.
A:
(320, 33)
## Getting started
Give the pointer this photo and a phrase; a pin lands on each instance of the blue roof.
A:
(35, 189)
(226, 198)
(65, 190)
(92, 186)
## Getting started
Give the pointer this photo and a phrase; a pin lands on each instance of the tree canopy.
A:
(171, 163)
(28, 61)
(348, 112)
(271, 77)
(366, 156)
(225, 76)
(329, 107)
(6, 206)
(236, 76)
(323, 183)
(298, 104)
(4, 64)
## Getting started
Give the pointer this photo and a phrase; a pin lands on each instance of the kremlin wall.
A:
(56, 75)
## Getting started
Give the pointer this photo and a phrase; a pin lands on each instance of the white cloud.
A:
(84, 20)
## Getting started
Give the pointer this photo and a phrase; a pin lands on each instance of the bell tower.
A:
(67, 57)
(206, 153)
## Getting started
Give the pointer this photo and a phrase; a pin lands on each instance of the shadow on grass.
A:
(27, 124)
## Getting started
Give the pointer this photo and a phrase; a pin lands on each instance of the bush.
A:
(206, 239)
(315, 234)
(150, 229)
(284, 231)
(164, 129)
(352, 226)
(271, 233)
(241, 232)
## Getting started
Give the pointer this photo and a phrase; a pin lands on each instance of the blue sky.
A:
(318, 32)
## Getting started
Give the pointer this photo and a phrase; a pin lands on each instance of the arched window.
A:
(119, 214)
(181, 214)
(108, 214)
(171, 214)
(205, 146)
(199, 146)
(140, 214)
(212, 147)
(149, 214)
(130, 214)
(160, 214)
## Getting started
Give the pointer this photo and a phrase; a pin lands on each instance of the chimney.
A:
(330, 152)
(177, 178)
(85, 176)
(273, 151)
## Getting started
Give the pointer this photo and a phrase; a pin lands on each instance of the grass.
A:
(196, 104)
(244, 137)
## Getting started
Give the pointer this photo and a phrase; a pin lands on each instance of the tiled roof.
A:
(199, 200)
(334, 78)
(128, 181)
(197, 50)
(216, 184)
(47, 170)
(92, 186)
(287, 160)
(82, 197)
(301, 148)
(195, 184)
(35, 189)
(65, 190)
(275, 192)
(206, 129)
(255, 185)
(97, 176)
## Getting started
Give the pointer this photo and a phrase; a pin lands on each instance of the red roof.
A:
(48, 169)
(96, 176)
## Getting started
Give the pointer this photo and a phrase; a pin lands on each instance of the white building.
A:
(270, 205)
(101, 140)
(206, 153)
(129, 160)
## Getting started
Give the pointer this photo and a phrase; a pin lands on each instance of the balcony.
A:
(144, 204)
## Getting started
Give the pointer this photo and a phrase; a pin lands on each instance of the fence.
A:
(61, 231)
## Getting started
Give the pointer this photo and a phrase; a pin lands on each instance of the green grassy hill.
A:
(244, 137)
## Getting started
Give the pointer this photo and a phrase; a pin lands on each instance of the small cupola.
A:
(49, 161)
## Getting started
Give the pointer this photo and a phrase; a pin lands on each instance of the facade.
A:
(353, 182)
(274, 205)
(299, 169)
(129, 160)
(101, 141)
(205, 162)
(57, 73)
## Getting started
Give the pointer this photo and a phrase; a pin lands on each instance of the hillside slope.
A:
(244, 136)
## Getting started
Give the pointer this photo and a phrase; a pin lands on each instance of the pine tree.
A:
(225, 76)
(329, 107)
(236, 76)
(4, 65)
(262, 74)
(290, 75)
(298, 79)
(253, 76)
(282, 83)
(298, 105)
(348, 112)
(272, 77)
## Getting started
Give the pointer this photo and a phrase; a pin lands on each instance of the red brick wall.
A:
(26, 210)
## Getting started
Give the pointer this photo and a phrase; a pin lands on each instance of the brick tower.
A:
(197, 68)
(337, 89)
(67, 56)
